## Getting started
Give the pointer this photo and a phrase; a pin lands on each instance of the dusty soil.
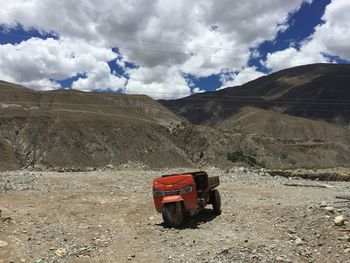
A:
(108, 216)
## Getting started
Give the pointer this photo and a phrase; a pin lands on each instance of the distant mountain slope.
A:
(281, 126)
(318, 91)
(25, 102)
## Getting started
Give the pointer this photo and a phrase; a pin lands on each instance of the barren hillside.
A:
(282, 126)
(72, 129)
(76, 129)
(318, 91)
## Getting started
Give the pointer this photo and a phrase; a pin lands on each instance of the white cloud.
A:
(158, 82)
(100, 78)
(249, 21)
(36, 61)
(292, 57)
(198, 90)
(334, 35)
(330, 38)
(232, 78)
(42, 84)
(164, 37)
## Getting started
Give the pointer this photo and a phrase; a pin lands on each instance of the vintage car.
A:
(178, 196)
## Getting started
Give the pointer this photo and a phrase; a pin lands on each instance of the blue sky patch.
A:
(17, 34)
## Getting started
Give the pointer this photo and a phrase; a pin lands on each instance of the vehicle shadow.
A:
(202, 217)
(192, 222)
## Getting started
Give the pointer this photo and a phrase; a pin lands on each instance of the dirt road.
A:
(108, 216)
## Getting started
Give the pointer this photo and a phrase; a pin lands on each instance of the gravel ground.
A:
(108, 216)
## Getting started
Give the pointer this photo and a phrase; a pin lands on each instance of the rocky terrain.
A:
(107, 215)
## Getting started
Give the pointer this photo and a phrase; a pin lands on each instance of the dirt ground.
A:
(108, 216)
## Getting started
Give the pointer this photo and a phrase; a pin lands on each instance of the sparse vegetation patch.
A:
(240, 156)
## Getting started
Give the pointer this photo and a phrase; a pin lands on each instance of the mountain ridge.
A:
(314, 91)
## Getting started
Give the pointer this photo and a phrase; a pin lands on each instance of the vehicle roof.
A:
(198, 173)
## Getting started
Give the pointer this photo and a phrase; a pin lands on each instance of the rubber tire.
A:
(168, 211)
(216, 201)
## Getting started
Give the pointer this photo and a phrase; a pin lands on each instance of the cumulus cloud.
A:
(330, 38)
(292, 57)
(100, 78)
(198, 90)
(158, 82)
(36, 62)
(237, 78)
(333, 36)
(164, 37)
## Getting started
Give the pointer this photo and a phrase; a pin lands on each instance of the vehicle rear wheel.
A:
(216, 202)
(173, 214)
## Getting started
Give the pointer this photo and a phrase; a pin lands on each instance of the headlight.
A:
(186, 190)
(157, 192)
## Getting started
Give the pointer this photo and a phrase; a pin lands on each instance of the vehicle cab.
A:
(178, 195)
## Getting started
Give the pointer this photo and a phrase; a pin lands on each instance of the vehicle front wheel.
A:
(173, 214)
(216, 201)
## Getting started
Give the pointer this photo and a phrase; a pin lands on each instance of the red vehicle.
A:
(177, 196)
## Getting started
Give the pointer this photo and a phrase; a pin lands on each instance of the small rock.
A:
(224, 251)
(291, 231)
(344, 238)
(279, 259)
(339, 221)
(151, 218)
(347, 250)
(329, 209)
(61, 252)
(3, 243)
(6, 219)
(323, 204)
(299, 241)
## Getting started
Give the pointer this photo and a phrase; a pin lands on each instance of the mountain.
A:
(318, 91)
(290, 119)
(72, 129)
(297, 117)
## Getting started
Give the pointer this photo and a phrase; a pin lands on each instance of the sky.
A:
(163, 48)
